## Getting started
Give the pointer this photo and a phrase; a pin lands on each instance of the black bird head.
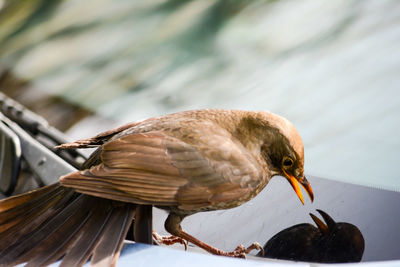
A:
(343, 241)
(329, 242)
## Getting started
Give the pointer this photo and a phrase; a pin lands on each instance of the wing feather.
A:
(158, 169)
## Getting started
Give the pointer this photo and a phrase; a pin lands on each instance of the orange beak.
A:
(295, 184)
(320, 224)
(325, 228)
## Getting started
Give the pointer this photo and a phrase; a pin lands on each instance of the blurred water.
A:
(331, 67)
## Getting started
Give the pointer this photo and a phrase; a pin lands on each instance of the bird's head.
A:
(344, 242)
(282, 149)
(291, 167)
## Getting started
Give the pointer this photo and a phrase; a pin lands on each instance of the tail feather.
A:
(55, 221)
(55, 244)
(23, 248)
(16, 201)
(109, 247)
(13, 210)
(17, 226)
(88, 238)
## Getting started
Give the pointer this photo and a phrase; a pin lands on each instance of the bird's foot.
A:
(254, 246)
(240, 251)
(169, 240)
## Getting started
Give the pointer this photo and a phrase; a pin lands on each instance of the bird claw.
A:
(254, 246)
(240, 251)
(169, 240)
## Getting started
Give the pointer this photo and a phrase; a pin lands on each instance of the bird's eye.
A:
(287, 162)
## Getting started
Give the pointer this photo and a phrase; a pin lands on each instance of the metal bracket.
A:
(10, 159)
(27, 137)
(48, 166)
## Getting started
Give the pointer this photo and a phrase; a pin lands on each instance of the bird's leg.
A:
(169, 240)
(173, 225)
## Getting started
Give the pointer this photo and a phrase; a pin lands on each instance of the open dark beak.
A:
(295, 184)
(325, 228)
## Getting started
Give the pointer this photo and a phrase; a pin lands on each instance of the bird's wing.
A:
(97, 140)
(158, 169)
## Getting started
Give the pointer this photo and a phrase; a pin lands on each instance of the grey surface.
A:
(145, 255)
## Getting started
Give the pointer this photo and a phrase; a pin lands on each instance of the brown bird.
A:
(185, 163)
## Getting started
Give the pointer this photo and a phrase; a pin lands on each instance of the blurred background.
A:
(331, 67)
